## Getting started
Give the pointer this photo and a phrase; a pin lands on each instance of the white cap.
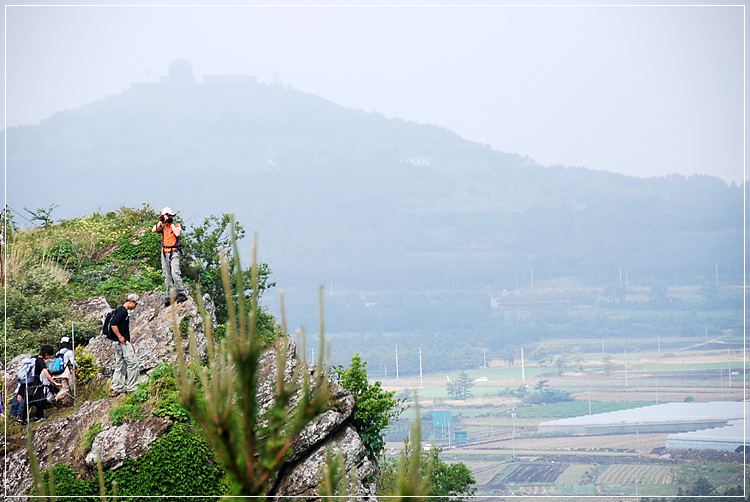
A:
(133, 298)
(167, 210)
(65, 339)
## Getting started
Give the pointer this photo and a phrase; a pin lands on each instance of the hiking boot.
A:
(116, 393)
(181, 298)
(39, 419)
(22, 422)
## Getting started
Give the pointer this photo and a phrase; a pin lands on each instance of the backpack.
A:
(107, 329)
(25, 372)
(57, 363)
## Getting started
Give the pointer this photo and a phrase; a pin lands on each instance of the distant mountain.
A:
(364, 204)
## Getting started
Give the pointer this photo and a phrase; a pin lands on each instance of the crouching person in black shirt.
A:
(35, 390)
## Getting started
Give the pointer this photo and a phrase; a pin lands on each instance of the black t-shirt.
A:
(121, 319)
(39, 365)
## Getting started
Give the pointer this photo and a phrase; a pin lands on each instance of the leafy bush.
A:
(443, 482)
(374, 408)
(548, 396)
(68, 484)
(87, 367)
(126, 413)
(144, 248)
(161, 389)
(179, 464)
(88, 438)
(205, 243)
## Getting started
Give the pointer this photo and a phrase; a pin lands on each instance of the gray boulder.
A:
(116, 444)
(300, 480)
(63, 434)
(151, 327)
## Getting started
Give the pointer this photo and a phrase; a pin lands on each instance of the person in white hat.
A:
(171, 250)
(127, 368)
(68, 377)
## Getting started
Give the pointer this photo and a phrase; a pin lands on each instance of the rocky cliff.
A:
(151, 334)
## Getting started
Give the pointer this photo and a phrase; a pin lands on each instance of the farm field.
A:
(508, 457)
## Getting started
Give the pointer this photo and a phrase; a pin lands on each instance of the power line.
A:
(22, 216)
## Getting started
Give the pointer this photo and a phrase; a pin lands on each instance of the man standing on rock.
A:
(127, 369)
(170, 254)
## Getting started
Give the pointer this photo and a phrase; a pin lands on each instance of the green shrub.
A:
(87, 367)
(548, 396)
(126, 413)
(374, 408)
(145, 248)
(63, 251)
(179, 464)
(69, 485)
(90, 435)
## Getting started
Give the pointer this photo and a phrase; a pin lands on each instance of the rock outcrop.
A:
(63, 434)
(151, 332)
(151, 326)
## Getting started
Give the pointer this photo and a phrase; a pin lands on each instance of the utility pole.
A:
(396, 362)
(729, 366)
(420, 368)
(523, 369)
(532, 278)
(513, 415)
(626, 367)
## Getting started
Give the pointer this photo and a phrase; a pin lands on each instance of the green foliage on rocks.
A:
(425, 474)
(51, 266)
(209, 243)
(374, 408)
(126, 413)
(179, 464)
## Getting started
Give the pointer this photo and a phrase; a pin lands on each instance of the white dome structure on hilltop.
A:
(181, 71)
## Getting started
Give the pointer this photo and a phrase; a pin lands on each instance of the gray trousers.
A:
(170, 267)
(127, 368)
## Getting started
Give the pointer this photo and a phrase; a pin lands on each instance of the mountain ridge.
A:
(371, 203)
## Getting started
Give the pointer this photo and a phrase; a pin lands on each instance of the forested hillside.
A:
(409, 228)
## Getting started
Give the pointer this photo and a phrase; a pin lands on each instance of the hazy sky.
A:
(642, 90)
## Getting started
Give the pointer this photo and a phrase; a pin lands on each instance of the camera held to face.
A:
(166, 218)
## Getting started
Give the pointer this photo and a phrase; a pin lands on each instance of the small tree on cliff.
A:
(205, 245)
(374, 408)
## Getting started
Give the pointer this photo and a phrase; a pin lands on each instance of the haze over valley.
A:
(418, 236)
